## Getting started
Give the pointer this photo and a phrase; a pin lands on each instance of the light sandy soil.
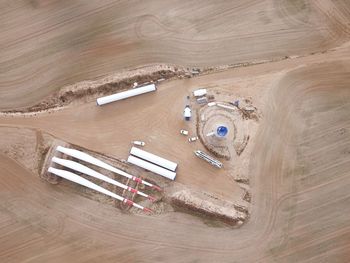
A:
(299, 169)
(48, 44)
(299, 173)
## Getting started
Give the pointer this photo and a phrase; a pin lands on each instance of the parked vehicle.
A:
(139, 143)
(184, 132)
(187, 113)
(193, 139)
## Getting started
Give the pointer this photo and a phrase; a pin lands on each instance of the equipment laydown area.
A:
(112, 153)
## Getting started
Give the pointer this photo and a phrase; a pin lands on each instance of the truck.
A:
(187, 113)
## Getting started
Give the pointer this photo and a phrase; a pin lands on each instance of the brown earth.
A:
(48, 44)
(34, 150)
(299, 174)
(299, 169)
(87, 91)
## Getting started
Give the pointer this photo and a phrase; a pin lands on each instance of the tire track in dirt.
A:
(65, 49)
(274, 232)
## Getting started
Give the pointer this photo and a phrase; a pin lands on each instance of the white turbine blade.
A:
(82, 181)
(90, 159)
(86, 170)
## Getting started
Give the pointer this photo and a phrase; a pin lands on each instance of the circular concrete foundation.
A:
(228, 145)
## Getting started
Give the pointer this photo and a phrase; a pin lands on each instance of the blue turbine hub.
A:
(221, 131)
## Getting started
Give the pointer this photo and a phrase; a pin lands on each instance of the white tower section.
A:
(152, 167)
(153, 159)
(125, 94)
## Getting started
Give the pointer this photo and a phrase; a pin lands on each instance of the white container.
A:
(152, 158)
(152, 167)
(200, 92)
(125, 94)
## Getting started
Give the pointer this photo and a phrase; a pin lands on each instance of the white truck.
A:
(187, 113)
(139, 143)
(193, 139)
(184, 132)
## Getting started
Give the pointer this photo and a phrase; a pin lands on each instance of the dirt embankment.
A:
(90, 90)
(209, 208)
(85, 91)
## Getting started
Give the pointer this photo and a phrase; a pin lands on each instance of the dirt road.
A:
(48, 44)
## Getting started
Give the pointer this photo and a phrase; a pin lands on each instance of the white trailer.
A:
(152, 167)
(200, 92)
(82, 181)
(89, 159)
(125, 94)
(86, 170)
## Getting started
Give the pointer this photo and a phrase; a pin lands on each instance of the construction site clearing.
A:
(175, 131)
(223, 109)
(212, 179)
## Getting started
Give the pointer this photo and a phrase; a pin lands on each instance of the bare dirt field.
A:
(297, 161)
(48, 44)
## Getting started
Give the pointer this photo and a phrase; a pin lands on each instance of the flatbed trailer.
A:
(206, 157)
